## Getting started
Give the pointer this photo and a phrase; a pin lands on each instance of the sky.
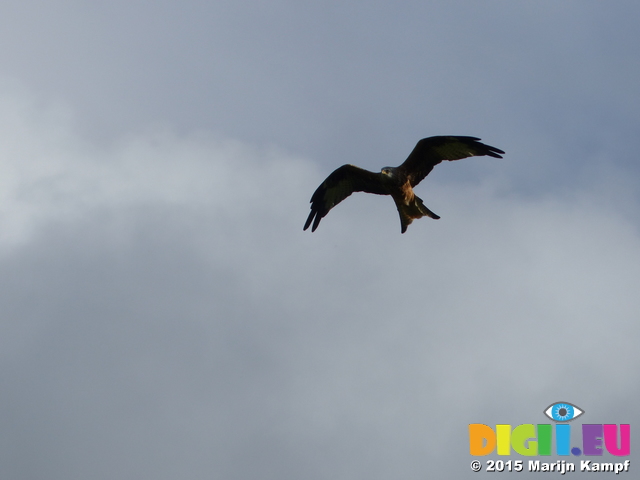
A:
(164, 314)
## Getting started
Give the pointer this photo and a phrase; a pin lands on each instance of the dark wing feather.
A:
(431, 151)
(338, 186)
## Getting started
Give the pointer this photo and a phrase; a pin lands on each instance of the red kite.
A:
(396, 181)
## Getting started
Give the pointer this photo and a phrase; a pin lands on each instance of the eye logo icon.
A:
(563, 412)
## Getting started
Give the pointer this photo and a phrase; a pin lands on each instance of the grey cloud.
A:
(162, 328)
(348, 82)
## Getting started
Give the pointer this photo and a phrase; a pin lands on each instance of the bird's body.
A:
(398, 182)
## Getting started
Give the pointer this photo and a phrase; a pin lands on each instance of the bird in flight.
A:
(396, 181)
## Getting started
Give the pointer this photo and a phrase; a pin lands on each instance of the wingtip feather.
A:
(308, 222)
(316, 222)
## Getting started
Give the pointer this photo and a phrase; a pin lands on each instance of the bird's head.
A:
(388, 172)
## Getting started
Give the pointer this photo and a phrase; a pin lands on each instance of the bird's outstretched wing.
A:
(338, 186)
(431, 151)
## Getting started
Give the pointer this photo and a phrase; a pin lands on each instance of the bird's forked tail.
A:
(414, 209)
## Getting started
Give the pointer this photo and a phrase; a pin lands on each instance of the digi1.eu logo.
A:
(530, 439)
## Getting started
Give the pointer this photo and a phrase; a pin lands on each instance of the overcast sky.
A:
(164, 316)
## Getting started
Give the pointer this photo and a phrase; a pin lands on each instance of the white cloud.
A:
(50, 174)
